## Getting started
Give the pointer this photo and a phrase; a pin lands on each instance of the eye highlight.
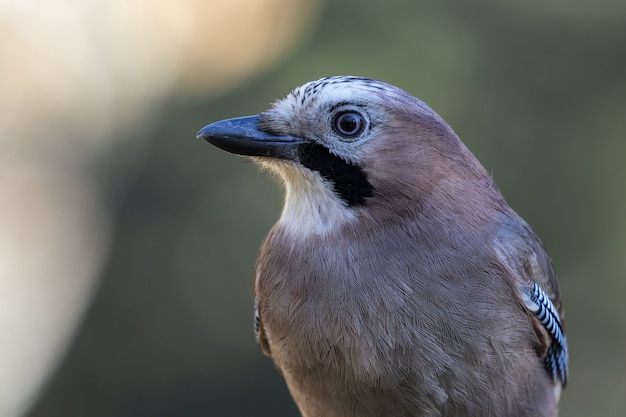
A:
(348, 123)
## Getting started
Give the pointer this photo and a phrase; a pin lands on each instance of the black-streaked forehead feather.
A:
(312, 88)
(364, 89)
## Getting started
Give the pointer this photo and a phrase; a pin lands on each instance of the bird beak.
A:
(242, 136)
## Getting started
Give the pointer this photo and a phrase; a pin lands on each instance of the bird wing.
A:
(259, 332)
(523, 255)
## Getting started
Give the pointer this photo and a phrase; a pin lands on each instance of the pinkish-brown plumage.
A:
(397, 279)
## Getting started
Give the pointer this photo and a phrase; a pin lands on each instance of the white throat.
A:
(311, 205)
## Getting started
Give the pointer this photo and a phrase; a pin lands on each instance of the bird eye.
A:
(348, 124)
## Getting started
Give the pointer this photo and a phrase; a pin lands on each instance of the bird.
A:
(397, 281)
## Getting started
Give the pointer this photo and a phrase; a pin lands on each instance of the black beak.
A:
(242, 136)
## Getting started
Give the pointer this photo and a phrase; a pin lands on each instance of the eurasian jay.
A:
(397, 280)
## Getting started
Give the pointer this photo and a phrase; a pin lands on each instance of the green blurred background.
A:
(536, 90)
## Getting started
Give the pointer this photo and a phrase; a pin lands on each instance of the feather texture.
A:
(397, 281)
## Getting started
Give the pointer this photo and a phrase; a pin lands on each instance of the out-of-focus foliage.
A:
(537, 91)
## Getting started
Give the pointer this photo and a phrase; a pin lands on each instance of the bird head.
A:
(345, 145)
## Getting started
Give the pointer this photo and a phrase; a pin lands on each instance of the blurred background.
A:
(127, 246)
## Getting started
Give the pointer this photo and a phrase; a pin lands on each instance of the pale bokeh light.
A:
(73, 73)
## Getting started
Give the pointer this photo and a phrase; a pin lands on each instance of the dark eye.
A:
(348, 124)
